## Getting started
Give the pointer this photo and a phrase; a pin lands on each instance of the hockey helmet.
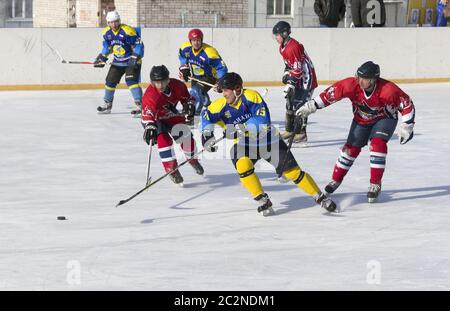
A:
(368, 70)
(195, 34)
(112, 16)
(281, 28)
(159, 73)
(231, 81)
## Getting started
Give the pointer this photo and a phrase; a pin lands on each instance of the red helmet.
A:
(195, 33)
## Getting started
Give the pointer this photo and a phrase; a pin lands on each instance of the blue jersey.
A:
(250, 110)
(205, 62)
(122, 44)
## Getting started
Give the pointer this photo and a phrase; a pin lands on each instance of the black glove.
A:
(100, 61)
(189, 110)
(285, 78)
(132, 62)
(208, 141)
(185, 72)
(150, 132)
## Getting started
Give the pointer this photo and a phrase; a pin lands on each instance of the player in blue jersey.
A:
(246, 118)
(203, 62)
(125, 43)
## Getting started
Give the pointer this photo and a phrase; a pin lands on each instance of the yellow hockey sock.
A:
(303, 180)
(249, 179)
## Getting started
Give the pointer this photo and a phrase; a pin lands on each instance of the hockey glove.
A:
(307, 109)
(285, 78)
(208, 141)
(406, 132)
(185, 72)
(289, 89)
(189, 111)
(100, 61)
(150, 133)
(132, 62)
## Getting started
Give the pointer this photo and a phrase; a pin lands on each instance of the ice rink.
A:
(59, 157)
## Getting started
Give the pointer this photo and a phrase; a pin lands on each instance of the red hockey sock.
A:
(348, 155)
(166, 152)
(189, 147)
(378, 153)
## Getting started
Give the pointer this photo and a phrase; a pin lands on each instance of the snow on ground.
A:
(58, 157)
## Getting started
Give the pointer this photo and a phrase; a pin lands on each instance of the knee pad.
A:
(350, 150)
(244, 167)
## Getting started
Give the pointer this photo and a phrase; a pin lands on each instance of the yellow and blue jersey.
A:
(122, 44)
(250, 110)
(205, 62)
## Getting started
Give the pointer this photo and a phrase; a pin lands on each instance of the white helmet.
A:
(112, 16)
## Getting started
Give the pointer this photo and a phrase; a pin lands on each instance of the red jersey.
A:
(300, 66)
(386, 100)
(158, 106)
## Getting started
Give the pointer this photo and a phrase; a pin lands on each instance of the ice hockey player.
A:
(203, 62)
(125, 43)
(163, 123)
(246, 117)
(299, 77)
(376, 103)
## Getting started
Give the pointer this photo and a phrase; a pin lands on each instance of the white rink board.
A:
(403, 53)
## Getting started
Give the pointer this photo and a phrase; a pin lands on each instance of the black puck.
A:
(61, 218)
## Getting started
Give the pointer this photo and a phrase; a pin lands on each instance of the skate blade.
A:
(268, 212)
(104, 112)
(300, 145)
(181, 185)
(283, 180)
(372, 200)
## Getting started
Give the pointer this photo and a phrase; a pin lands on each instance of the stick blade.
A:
(121, 202)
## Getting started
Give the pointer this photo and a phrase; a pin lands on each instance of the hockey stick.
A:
(201, 82)
(149, 178)
(64, 61)
(165, 175)
(291, 140)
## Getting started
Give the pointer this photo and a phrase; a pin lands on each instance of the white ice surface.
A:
(58, 157)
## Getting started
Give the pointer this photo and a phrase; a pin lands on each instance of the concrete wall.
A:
(403, 53)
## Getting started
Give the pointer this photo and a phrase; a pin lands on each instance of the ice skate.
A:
(105, 108)
(326, 203)
(265, 205)
(197, 166)
(374, 191)
(177, 178)
(332, 186)
(136, 113)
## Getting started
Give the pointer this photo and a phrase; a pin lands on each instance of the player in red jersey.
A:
(299, 77)
(376, 103)
(163, 123)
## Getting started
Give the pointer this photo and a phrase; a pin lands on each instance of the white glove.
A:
(405, 132)
(307, 109)
(288, 90)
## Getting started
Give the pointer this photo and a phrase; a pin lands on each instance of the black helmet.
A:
(368, 70)
(230, 81)
(159, 73)
(281, 27)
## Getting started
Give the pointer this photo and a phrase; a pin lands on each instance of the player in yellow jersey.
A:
(246, 118)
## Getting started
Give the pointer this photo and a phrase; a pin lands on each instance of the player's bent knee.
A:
(295, 174)
(244, 167)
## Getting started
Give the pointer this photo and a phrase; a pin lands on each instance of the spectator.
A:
(365, 14)
(440, 16)
(330, 12)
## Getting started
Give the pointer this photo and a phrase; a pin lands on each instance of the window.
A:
(20, 9)
(279, 7)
